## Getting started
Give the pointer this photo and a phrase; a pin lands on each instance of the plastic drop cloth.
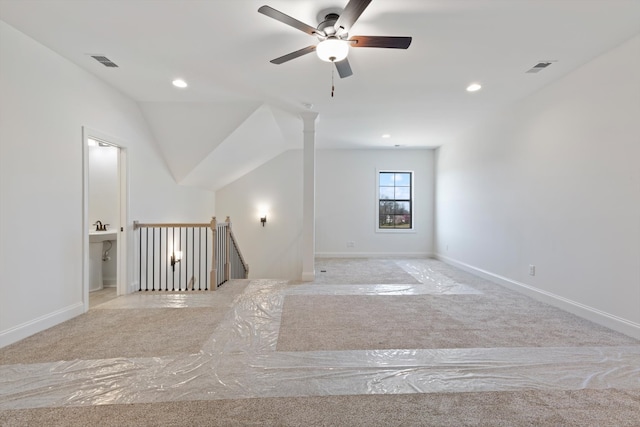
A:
(239, 361)
(161, 300)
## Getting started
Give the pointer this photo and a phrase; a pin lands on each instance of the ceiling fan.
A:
(333, 36)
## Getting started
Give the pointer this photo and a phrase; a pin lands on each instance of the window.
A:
(395, 200)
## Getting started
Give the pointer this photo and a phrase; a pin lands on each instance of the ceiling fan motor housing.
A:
(328, 25)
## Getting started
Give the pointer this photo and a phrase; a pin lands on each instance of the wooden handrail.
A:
(137, 225)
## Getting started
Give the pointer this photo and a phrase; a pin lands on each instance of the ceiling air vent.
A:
(539, 67)
(104, 61)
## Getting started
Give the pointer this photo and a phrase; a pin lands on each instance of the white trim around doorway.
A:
(124, 237)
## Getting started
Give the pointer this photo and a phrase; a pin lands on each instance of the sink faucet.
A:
(100, 226)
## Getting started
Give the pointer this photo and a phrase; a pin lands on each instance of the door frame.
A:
(123, 236)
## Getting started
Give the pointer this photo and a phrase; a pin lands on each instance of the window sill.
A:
(395, 231)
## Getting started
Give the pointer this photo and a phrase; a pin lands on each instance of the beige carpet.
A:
(104, 333)
(360, 270)
(513, 409)
(363, 322)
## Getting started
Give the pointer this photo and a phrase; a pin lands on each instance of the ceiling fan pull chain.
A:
(332, 74)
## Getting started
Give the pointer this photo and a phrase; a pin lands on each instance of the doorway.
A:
(105, 199)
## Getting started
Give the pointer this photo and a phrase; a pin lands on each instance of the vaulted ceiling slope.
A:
(237, 102)
(208, 145)
(256, 141)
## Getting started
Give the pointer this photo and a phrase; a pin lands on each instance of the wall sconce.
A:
(175, 258)
(262, 210)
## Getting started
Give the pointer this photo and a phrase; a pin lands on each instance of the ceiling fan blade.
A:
(344, 69)
(351, 13)
(286, 19)
(293, 55)
(392, 42)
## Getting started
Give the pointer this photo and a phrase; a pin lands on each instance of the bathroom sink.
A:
(101, 236)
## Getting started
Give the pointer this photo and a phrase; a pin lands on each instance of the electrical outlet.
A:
(351, 244)
(532, 270)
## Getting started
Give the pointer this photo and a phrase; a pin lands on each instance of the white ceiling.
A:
(240, 110)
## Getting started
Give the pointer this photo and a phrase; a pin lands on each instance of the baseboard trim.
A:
(600, 317)
(109, 283)
(16, 333)
(374, 255)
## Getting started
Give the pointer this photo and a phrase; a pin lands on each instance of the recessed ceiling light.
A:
(386, 135)
(473, 87)
(179, 83)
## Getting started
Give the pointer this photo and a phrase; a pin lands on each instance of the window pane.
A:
(403, 179)
(402, 208)
(402, 221)
(386, 193)
(386, 179)
(387, 207)
(386, 221)
(403, 193)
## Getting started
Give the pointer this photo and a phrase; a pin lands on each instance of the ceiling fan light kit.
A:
(332, 49)
(333, 36)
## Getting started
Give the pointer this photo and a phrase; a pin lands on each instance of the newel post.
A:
(214, 272)
(227, 248)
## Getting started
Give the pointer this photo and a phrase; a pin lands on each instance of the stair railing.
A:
(230, 262)
(176, 256)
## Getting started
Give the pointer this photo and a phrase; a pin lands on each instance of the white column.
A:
(309, 197)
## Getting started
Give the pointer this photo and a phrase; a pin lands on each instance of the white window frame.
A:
(377, 202)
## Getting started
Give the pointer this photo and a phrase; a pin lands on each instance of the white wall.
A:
(273, 251)
(44, 103)
(346, 191)
(555, 182)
